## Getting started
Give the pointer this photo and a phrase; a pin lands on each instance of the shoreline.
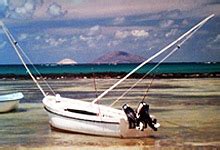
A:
(112, 75)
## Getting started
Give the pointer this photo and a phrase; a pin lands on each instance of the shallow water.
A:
(188, 110)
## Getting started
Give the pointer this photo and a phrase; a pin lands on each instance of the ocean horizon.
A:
(79, 69)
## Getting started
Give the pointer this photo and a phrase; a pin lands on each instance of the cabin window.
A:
(80, 112)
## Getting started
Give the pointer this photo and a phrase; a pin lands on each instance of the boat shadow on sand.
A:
(18, 110)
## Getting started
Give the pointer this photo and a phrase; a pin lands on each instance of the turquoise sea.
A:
(54, 69)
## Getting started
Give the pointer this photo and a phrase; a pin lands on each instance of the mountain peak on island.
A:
(118, 57)
(66, 61)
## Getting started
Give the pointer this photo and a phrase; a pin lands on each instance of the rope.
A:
(149, 85)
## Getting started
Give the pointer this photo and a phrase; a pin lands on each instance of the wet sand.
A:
(187, 109)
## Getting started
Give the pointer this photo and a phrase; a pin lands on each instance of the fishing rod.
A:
(154, 56)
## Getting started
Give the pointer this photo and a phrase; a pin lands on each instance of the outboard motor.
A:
(144, 119)
(130, 115)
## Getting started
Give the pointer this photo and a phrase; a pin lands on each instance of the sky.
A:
(83, 30)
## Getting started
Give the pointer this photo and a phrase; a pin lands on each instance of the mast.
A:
(154, 56)
(14, 44)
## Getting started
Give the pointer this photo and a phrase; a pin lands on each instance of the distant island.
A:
(66, 61)
(118, 57)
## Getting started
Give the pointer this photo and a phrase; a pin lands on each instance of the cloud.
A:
(171, 14)
(2, 45)
(55, 10)
(104, 9)
(22, 36)
(134, 33)
(185, 22)
(215, 43)
(113, 8)
(38, 37)
(3, 7)
(101, 27)
(121, 34)
(139, 33)
(3, 2)
(166, 23)
(55, 42)
(113, 43)
(119, 20)
(92, 40)
(84, 38)
(88, 40)
(94, 30)
(217, 39)
(91, 43)
(172, 32)
(22, 9)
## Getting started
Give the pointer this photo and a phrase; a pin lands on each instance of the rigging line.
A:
(175, 49)
(148, 89)
(94, 82)
(143, 77)
(154, 56)
(36, 70)
(24, 54)
(14, 43)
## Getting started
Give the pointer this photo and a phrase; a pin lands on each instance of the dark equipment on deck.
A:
(144, 118)
(131, 115)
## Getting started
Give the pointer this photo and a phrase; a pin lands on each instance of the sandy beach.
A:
(187, 110)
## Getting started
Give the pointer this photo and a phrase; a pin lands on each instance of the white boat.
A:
(88, 117)
(10, 102)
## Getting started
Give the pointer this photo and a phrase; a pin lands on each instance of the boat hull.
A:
(7, 106)
(120, 130)
(83, 126)
(108, 122)
(10, 102)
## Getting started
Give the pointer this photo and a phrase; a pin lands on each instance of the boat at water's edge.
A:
(10, 102)
(85, 117)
